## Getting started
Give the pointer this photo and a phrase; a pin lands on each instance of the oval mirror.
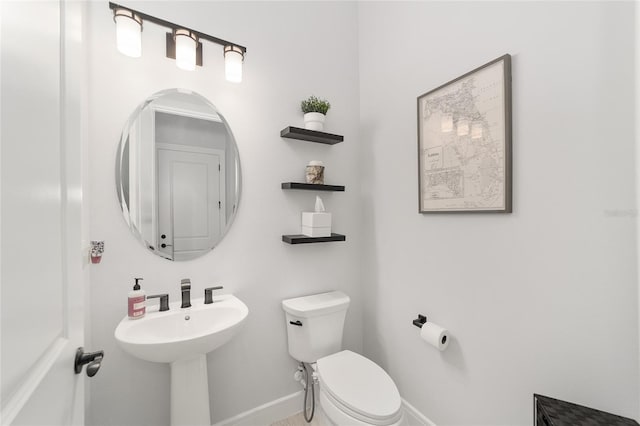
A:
(178, 175)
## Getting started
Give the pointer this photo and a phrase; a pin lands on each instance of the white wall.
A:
(294, 50)
(542, 300)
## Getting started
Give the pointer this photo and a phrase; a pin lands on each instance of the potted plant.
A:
(314, 110)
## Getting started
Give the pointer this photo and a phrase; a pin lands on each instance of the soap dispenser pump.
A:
(137, 305)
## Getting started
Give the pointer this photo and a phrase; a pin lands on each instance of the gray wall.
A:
(542, 300)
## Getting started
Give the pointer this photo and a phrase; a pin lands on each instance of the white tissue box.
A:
(316, 224)
(316, 219)
(317, 231)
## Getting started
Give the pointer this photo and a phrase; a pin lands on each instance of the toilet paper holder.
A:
(420, 321)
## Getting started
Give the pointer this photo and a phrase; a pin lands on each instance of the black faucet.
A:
(208, 294)
(164, 301)
(185, 286)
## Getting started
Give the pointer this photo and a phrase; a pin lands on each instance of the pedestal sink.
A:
(183, 337)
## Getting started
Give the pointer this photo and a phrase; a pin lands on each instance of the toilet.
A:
(353, 389)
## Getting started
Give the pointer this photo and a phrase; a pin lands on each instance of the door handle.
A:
(93, 359)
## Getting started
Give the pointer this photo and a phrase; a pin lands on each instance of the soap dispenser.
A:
(137, 304)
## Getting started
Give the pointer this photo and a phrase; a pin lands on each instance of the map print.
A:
(462, 143)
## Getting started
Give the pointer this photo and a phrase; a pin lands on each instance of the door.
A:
(42, 264)
(189, 201)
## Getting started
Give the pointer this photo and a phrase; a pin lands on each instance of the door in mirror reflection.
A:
(190, 194)
(178, 175)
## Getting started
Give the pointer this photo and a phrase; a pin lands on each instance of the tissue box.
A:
(316, 219)
(316, 224)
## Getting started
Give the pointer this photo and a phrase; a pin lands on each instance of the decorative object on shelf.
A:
(182, 43)
(314, 110)
(464, 142)
(97, 249)
(318, 222)
(310, 135)
(315, 172)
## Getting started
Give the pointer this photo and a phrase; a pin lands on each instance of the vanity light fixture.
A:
(183, 44)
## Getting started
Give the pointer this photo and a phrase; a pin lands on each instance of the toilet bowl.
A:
(353, 389)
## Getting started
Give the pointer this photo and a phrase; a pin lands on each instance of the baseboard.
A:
(289, 405)
(415, 417)
(268, 413)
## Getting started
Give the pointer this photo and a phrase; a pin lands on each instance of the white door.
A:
(42, 264)
(189, 202)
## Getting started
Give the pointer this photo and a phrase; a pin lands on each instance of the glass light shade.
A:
(186, 45)
(233, 58)
(128, 33)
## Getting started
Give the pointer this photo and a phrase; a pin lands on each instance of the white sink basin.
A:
(179, 334)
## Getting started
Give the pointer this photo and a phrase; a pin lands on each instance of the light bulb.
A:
(186, 44)
(128, 32)
(233, 57)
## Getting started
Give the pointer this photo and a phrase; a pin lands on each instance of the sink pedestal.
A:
(190, 392)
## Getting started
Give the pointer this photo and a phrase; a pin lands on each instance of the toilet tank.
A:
(315, 324)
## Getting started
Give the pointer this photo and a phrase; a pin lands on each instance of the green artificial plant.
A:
(314, 104)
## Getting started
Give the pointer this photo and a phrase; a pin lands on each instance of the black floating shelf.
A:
(310, 135)
(312, 186)
(303, 239)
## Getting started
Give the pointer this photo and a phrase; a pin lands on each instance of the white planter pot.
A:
(314, 121)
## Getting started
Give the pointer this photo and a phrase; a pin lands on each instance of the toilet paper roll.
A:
(435, 335)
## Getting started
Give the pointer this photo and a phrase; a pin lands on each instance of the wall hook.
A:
(420, 321)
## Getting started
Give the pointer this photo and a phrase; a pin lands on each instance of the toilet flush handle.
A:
(298, 323)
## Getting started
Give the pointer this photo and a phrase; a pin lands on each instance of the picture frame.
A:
(464, 143)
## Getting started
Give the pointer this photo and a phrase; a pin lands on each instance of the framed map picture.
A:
(464, 142)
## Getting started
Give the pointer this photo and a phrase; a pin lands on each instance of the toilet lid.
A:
(359, 384)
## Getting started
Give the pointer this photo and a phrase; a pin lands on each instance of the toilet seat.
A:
(360, 388)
